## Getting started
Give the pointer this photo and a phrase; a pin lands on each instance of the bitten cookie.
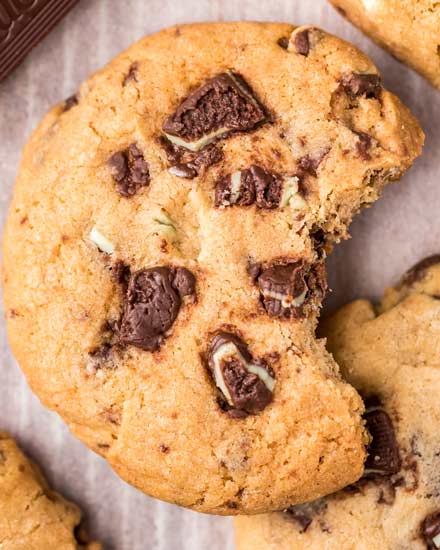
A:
(33, 517)
(163, 259)
(409, 29)
(392, 356)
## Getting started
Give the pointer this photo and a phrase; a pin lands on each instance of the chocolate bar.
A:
(23, 24)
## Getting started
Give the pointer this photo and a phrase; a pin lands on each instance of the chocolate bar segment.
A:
(23, 24)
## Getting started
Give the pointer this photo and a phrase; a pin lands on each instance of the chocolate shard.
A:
(383, 451)
(70, 102)
(363, 145)
(246, 385)
(311, 162)
(23, 24)
(283, 289)
(301, 516)
(224, 104)
(362, 85)
(190, 164)
(131, 76)
(430, 531)
(129, 170)
(152, 303)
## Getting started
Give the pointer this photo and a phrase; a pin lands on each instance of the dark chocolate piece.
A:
(302, 42)
(383, 451)
(190, 164)
(70, 102)
(363, 145)
(129, 170)
(357, 85)
(310, 163)
(222, 105)
(236, 372)
(430, 529)
(418, 271)
(152, 303)
(132, 74)
(283, 42)
(23, 24)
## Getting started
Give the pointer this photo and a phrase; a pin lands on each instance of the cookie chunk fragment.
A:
(152, 303)
(246, 385)
(32, 516)
(224, 104)
(129, 170)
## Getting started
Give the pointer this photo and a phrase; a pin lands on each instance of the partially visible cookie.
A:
(392, 356)
(409, 29)
(164, 258)
(32, 516)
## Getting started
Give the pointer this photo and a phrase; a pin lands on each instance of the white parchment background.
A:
(400, 229)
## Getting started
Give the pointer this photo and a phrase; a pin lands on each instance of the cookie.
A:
(163, 259)
(391, 354)
(32, 516)
(410, 30)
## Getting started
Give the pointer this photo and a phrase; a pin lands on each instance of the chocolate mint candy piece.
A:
(236, 189)
(129, 170)
(245, 384)
(222, 105)
(152, 303)
(430, 530)
(189, 164)
(357, 85)
(283, 289)
(418, 271)
(268, 187)
(383, 452)
(302, 43)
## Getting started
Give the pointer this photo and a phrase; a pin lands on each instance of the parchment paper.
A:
(400, 229)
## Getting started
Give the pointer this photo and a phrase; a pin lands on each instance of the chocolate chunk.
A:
(310, 163)
(132, 74)
(222, 105)
(129, 170)
(357, 85)
(283, 289)
(23, 24)
(189, 164)
(246, 385)
(70, 102)
(430, 530)
(283, 42)
(152, 303)
(363, 145)
(302, 43)
(418, 271)
(383, 451)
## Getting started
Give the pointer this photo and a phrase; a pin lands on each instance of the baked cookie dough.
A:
(391, 353)
(32, 516)
(409, 29)
(163, 259)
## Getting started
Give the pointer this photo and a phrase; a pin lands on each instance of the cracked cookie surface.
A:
(192, 189)
(409, 29)
(391, 354)
(32, 516)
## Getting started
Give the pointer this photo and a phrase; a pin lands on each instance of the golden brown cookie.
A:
(391, 353)
(32, 516)
(409, 29)
(163, 259)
